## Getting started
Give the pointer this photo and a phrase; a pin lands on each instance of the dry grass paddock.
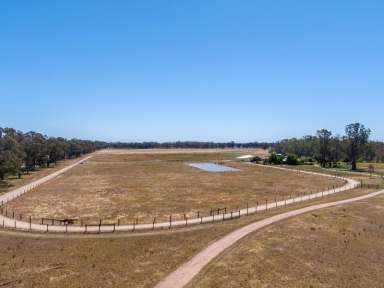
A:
(378, 167)
(122, 260)
(126, 184)
(336, 247)
(13, 182)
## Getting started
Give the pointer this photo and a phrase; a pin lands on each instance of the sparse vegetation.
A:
(336, 247)
(124, 184)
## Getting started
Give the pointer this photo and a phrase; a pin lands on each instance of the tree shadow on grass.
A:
(4, 186)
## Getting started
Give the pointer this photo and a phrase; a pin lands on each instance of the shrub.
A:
(276, 158)
(292, 159)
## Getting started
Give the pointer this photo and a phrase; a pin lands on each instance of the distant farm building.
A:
(249, 158)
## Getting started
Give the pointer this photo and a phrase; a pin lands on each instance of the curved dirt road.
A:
(185, 273)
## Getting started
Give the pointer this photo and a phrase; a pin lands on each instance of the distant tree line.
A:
(23, 152)
(329, 150)
(190, 144)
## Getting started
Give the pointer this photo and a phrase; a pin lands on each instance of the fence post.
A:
(114, 227)
(66, 228)
(201, 219)
(30, 222)
(276, 202)
(99, 226)
(266, 205)
(170, 221)
(247, 208)
(231, 215)
(153, 223)
(257, 206)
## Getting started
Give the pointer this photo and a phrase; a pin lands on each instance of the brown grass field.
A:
(13, 182)
(336, 247)
(379, 167)
(126, 260)
(135, 260)
(125, 184)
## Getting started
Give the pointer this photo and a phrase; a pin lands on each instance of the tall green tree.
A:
(35, 145)
(357, 136)
(11, 154)
(324, 155)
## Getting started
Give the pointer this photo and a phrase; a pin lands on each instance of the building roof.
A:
(245, 157)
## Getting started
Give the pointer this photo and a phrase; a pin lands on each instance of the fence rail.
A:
(215, 215)
(19, 221)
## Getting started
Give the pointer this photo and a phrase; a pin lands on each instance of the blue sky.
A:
(191, 70)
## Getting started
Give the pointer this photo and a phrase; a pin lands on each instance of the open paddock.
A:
(334, 247)
(131, 184)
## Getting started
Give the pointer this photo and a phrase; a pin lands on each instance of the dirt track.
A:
(183, 275)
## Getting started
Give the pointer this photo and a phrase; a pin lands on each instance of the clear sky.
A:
(191, 70)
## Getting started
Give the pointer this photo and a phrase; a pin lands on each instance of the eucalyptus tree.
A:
(324, 154)
(11, 153)
(357, 137)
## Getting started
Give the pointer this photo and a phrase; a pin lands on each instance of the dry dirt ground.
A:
(125, 184)
(336, 247)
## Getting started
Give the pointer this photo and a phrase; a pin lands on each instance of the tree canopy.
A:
(328, 150)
